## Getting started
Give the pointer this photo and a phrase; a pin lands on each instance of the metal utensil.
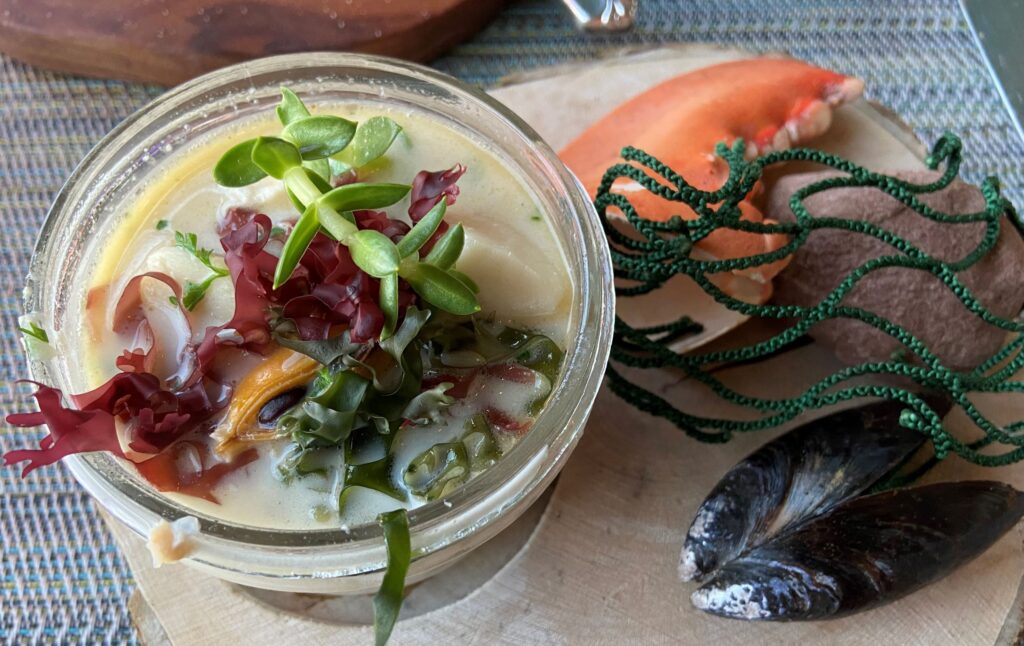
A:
(602, 15)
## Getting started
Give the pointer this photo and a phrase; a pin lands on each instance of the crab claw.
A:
(771, 103)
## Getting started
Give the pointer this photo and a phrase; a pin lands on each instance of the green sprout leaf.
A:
(275, 156)
(321, 136)
(359, 196)
(291, 107)
(372, 139)
(374, 253)
(35, 332)
(421, 232)
(441, 289)
(322, 168)
(236, 167)
(389, 304)
(465, 280)
(448, 248)
(388, 601)
(302, 234)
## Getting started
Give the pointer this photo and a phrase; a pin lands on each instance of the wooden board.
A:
(170, 41)
(600, 565)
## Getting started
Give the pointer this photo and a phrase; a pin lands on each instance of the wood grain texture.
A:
(170, 41)
(601, 566)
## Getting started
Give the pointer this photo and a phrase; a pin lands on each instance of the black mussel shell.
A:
(797, 476)
(278, 405)
(864, 553)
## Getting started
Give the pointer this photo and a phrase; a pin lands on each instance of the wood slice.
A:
(170, 41)
(601, 565)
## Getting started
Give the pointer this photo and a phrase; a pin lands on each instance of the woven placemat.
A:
(63, 580)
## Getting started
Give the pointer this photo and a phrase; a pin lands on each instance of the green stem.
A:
(340, 227)
(301, 186)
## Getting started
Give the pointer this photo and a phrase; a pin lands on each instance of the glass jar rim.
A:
(536, 458)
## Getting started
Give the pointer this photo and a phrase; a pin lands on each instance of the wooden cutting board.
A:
(597, 564)
(170, 41)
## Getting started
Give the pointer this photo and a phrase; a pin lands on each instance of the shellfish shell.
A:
(787, 533)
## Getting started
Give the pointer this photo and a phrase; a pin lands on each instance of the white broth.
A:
(511, 253)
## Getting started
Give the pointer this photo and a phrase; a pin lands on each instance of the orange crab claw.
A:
(772, 103)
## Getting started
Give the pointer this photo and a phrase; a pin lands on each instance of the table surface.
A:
(62, 580)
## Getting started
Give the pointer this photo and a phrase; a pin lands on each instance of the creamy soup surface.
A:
(511, 253)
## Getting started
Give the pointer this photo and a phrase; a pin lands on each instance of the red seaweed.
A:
(429, 188)
(325, 291)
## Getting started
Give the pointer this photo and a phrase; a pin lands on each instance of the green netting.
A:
(657, 251)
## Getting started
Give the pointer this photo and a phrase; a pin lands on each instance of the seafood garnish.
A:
(787, 534)
(801, 474)
(770, 103)
(867, 552)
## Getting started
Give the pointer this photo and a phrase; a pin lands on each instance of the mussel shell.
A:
(795, 477)
(278, 405)
(866, 552)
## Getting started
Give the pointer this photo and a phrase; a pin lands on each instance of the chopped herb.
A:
(194, 292)
(161, 225)
(190, 243)
(388, 601)
(173, 300)
(535, 217)
(276, 231)
(35, 332)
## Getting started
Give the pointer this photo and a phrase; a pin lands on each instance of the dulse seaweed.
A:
(787, 534)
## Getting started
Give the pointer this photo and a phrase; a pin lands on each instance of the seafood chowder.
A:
(321, 407)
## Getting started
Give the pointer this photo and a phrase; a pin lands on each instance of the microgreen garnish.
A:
(161, 225)
(424, 229)
(35, 332)
(442, 289)
(236, 167)
(295, 157)
(388, 601)
(291, 107)
(319, 137)
(372, 139)
(194, 292)
(448, 248)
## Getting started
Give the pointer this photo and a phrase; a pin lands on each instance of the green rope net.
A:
(658, 251)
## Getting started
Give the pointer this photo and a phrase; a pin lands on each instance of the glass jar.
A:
(326, 560)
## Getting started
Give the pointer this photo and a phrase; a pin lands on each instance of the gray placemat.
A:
(63, 580)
